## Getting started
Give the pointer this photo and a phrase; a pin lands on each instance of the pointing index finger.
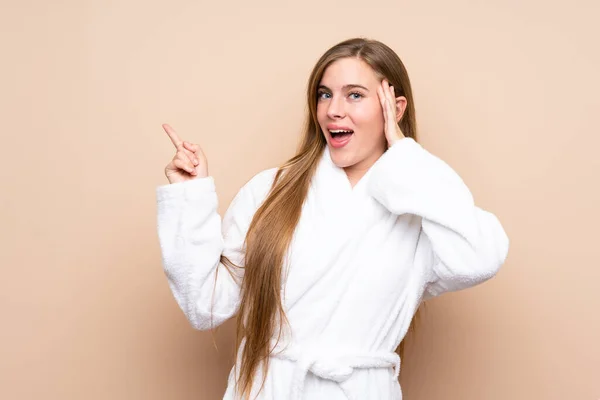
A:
(173, 135)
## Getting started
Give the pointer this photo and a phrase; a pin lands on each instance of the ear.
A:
(401, 103)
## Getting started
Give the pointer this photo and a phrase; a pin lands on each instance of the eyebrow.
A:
(346, 87)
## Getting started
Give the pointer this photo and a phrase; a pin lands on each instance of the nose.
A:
(336, 108)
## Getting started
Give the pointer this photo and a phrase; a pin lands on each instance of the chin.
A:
(342, 159)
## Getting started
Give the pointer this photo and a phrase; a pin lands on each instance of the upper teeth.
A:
(340, 131)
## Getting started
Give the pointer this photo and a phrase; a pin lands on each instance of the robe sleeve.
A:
(193, 237)
(466, 244)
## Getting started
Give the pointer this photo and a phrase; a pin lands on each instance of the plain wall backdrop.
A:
(506, 92)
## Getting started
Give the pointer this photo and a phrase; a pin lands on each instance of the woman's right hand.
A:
(189, 161)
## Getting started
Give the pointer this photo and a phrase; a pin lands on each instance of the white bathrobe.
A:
(360, 262)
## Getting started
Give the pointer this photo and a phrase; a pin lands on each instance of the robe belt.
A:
(336, 367)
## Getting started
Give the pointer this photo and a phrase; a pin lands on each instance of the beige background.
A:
(506, 92)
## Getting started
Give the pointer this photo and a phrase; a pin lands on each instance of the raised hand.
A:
(189, 161)
(393, 108)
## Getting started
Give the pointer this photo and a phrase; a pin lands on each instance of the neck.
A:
(357, 171)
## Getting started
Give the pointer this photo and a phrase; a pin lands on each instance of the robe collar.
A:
(338, 179)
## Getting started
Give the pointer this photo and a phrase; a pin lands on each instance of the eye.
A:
(356, 95)
(323, 95)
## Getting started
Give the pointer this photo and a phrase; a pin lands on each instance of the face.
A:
(350, 115)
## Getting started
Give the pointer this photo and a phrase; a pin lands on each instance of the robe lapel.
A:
(334, 219)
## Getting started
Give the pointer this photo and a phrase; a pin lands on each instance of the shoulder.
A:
(256, 189)
(262, 179)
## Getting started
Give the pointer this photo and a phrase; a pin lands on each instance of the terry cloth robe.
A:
(361, 260)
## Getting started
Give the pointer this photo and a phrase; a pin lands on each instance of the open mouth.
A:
(340, 134)
(340, 137)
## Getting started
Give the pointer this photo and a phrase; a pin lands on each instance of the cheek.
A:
(368, 117)
(321, 114)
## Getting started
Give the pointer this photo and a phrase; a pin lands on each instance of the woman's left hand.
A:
(393, 133)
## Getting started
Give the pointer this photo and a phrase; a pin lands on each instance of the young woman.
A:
(327, 258)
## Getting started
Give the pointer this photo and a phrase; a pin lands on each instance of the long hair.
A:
(270, 233)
